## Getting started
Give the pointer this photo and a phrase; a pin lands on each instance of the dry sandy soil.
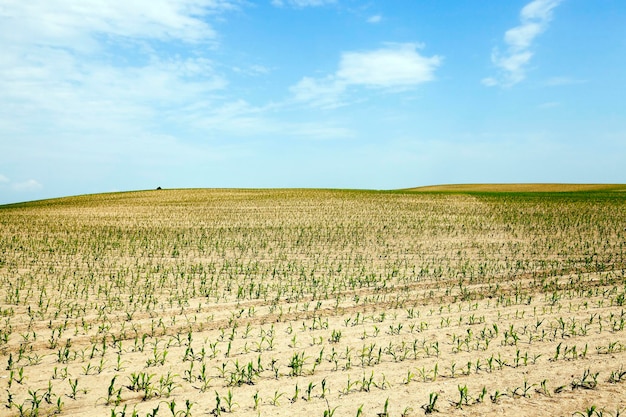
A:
(313, 302)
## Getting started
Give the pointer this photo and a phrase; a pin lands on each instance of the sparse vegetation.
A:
(253, 302)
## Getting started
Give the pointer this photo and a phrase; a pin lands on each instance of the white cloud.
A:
(72, 24)
(107, 68)
(539, 9)
(323, 93)
(93, 85)
(375, 19)
(520, 38)
(302, 3)
(397, 66)
(534, 20)
(96, 53)
(489, 81)
(3, 179)
(29, 185)
(86, 96)
(514, 67)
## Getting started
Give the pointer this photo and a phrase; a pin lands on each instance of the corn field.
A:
(314, 302)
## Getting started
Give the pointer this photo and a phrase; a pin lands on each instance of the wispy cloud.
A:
(534, 20)
(106, 57)
(375, 19)
(549, 105)
(239, 118)
(97, 84)
(28, 185)
(74, 24)
(108, 69)
(302, 3)
(395, 67)
(319, 92)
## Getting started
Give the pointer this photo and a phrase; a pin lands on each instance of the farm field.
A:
(315, 302)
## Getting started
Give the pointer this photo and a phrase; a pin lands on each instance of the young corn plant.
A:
(432, 403)
(257, 401)
(587, 381)
(385, 412)
(73, 387)
(523, 391)
(219, 409)
(180, 413)
(114, 396)
(309, 390)
(617, 376)
(329, 412)
(275, 399)
(463, 397)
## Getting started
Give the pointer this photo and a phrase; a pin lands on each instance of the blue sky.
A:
(100, 96)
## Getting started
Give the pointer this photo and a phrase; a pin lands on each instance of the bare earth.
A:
(314, 302)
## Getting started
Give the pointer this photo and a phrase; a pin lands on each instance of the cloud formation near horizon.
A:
(534, 20)
(27, 185)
